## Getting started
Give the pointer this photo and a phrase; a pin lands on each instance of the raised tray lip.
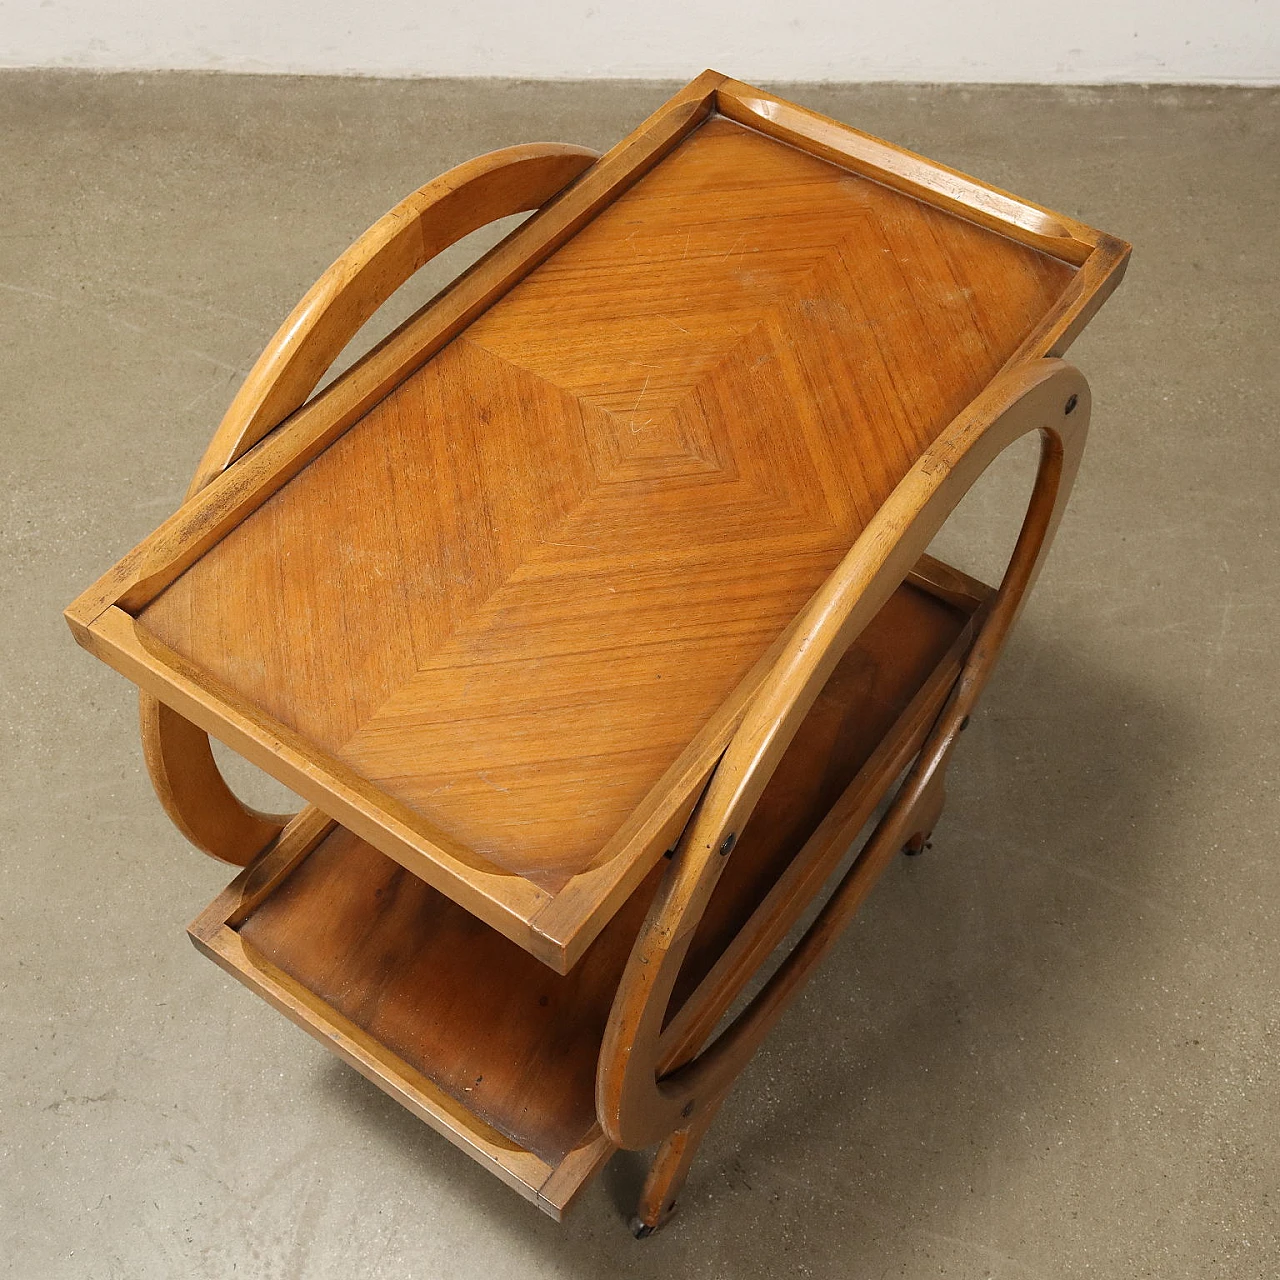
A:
(215, 932)
(555, 927)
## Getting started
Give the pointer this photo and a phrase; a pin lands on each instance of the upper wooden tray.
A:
(496, 599)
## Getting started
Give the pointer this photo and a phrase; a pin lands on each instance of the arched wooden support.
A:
(512, 180)
(193, 792)
(468, 197)
(650, 1085)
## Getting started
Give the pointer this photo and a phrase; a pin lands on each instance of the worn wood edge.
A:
(906, 171)
(502, 899)
(517, 1167)
(265, 873)
(575, 916)
(950, 585)
(571, 1177)
(201, 522)
(1094, 283)
(812, 866)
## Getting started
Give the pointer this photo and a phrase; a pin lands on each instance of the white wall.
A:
(1073, 41)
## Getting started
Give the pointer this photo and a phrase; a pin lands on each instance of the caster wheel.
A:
(642, 1230)
(917, 845)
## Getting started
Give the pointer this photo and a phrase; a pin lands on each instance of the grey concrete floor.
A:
(1046, 1049)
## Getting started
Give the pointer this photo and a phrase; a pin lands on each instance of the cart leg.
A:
(925, 816)
(667, 1174)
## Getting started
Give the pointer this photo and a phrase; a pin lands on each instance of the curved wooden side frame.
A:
(638, 1104)
(193, 791)
(470, 196)
(512, 180)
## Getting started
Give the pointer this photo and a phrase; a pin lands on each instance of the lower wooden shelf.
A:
(476, 1036)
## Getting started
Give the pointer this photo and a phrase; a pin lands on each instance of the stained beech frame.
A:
(658, 1078)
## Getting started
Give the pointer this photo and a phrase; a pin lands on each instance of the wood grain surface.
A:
(616, 547)
(517, 589)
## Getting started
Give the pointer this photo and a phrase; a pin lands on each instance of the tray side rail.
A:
(653, 1084)
(512, 180)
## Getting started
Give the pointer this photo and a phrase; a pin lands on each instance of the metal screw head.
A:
(1071, 404)
(728, 843)
(688, 1110)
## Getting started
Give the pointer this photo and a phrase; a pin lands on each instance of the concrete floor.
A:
(1047, 1049)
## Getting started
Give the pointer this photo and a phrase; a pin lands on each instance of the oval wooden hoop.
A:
(513, 180)
(649, 1083)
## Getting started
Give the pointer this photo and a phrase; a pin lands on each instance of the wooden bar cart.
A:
(591, 611)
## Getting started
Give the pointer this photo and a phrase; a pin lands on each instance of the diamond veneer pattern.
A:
(580, 524)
